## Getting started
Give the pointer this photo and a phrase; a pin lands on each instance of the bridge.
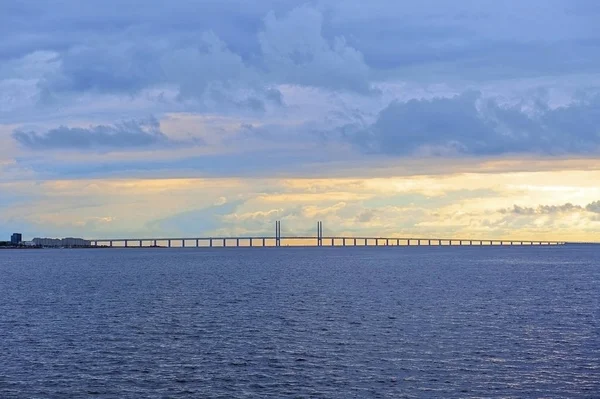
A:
(318, 240)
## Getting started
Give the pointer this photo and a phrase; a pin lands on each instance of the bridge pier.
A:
(250, 243)
(169, 243)
(237, 242)
(264, 242)
(126, 243)
(224, 242)
(182, 243)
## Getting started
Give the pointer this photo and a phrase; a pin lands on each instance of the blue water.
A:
(283, 322)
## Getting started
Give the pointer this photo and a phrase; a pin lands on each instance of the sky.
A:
(131, 118)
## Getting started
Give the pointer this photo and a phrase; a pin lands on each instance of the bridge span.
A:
(319, 240)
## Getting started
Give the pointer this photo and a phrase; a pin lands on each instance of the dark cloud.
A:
(593, 207)
(436, 39)
(104, 49)
(487, 38)
(60, 25)
(228, 57)
(365, 216)
(126, 135)
(105, 67)
(289, 48)
(469, 124)
(546, 209)
(212, 50)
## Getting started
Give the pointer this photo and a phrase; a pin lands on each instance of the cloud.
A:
(440, 40)
(593, 207)
(123, 46)
(100, 66)
(296, 52)
(544, 209)
(365, 216)
(126, 135)
(469, 124)
(288, 50)
(208, 64)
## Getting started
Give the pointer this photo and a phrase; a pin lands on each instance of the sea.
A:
(397, 322)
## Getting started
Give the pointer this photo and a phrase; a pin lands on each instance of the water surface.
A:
(294, 322)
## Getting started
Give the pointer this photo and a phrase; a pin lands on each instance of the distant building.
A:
(16, 239)
(75, 242)
(57, 242)
(47, 242)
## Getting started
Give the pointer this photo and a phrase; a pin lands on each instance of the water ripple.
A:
(322, 323)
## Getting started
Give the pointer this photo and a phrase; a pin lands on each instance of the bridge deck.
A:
(276, 241)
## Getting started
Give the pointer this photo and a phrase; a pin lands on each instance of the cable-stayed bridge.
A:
(318, 240)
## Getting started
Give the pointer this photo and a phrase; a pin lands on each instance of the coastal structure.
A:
(69, 242)
(16, 239)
